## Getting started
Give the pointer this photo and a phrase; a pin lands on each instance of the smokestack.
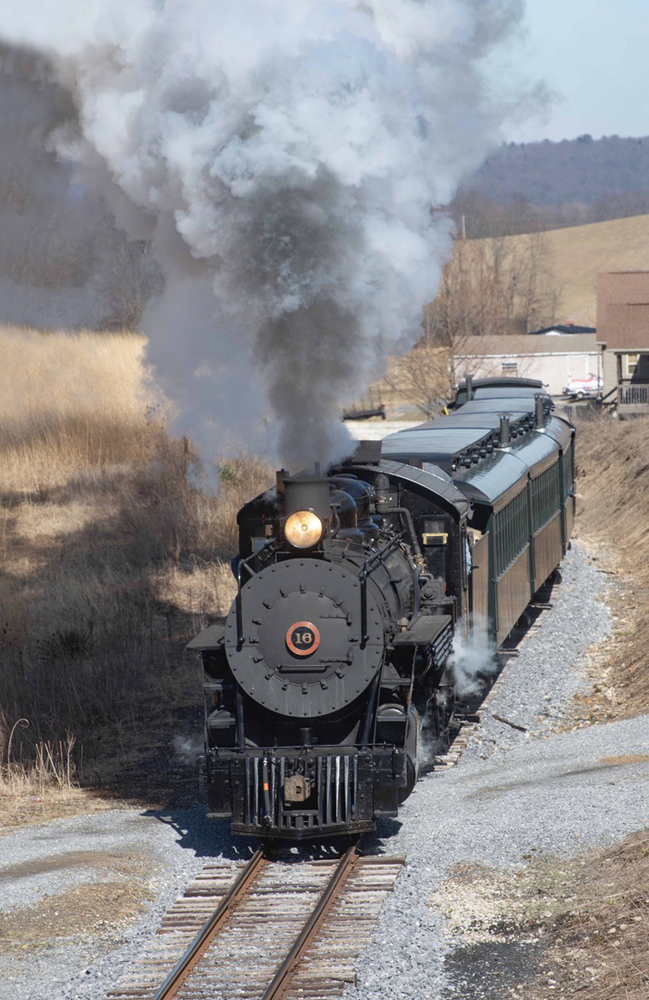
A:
(539, 411)
(469, 387)
(307, 492)
(280, 476)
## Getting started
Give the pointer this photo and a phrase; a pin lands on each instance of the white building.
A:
(552, 355)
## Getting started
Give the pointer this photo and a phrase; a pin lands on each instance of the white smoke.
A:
(474, 657)
(471, 665)
(283, 156)
(187, 748)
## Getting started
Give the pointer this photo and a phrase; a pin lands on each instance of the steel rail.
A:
(285, 972)
(203, 939)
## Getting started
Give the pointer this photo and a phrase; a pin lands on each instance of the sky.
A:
(593, 55)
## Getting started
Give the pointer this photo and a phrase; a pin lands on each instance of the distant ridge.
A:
(555, 173)
(548, 185)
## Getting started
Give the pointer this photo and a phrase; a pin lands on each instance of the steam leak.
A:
(283, 157)
(474, 657)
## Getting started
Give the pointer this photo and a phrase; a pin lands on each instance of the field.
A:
(578, 254)
(111, 562)
(112, 557)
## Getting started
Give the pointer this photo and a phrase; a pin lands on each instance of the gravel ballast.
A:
(515, 790)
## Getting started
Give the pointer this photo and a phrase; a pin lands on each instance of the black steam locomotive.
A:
(350, 589)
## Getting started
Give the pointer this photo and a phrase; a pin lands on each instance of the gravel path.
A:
(155, 854)
(539, 682)
(551, 796)
(512, 792)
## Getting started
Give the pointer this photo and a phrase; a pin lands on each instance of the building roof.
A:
(497, 387)
(562, 329)
(516, 345)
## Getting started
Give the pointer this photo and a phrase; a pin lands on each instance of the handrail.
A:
(365, 572)
(238, 601)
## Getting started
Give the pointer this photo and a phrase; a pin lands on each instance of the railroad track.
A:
(290, 929)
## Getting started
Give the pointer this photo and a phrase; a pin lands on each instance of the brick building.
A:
(623, 337)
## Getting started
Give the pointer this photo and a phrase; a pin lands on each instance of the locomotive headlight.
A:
(303, 529)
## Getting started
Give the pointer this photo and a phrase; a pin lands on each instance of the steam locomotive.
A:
(350, 589)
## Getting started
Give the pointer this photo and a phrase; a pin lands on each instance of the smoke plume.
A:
(474, 657)
(63, 262)
(283, 157)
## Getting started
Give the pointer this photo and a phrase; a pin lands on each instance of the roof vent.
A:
(505, 432)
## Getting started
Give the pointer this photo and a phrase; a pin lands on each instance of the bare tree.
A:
(529, 287)
(421, 378)
(489, 287)
(492, 287)
(426, 376)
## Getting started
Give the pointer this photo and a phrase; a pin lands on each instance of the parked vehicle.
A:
(583, 388)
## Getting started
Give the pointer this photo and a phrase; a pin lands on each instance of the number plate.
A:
(302, 638)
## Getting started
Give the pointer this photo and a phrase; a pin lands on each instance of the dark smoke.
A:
(282, 156)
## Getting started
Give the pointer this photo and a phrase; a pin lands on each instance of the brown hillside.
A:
(612, 482)
(578, 254)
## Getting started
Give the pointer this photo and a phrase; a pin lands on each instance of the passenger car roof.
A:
(467, 443)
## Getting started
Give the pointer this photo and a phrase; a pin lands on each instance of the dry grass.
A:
(560, 927)
(69, 404)
(613, 480)
(44, 785)
(599, 934)
(112, 558)
(100, 907)
(96, 910)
